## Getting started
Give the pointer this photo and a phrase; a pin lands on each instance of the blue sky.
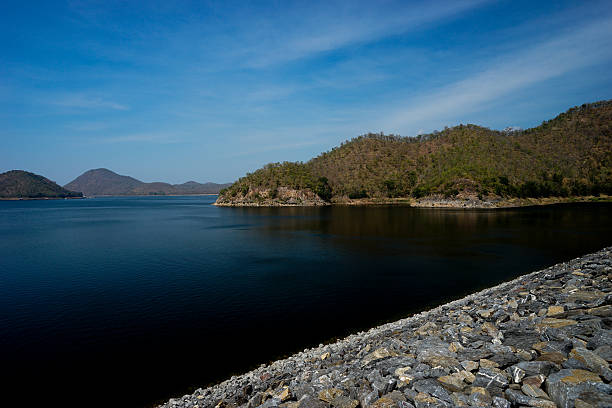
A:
(206, 91)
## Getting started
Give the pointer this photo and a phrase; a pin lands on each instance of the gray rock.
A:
(562, 347)
(396, 396)
(410, 394)
(490, 377)
(573, 363)
(308, 401)
(439, 372)
(460, 399)
(374, 375)
(425, 401)
(504, 359)
(516, 373)
(379, 386)
(255, 400)
(594, 362)
(368, 398)
(343, 401)
(537, 367)
(593, 400)
(432, 388)
(270, 403)
(469, 365)
(302, 390)
(478, 399)
(600, 338)
(473, 354)
(391, 385)
(438, 357)
(565, 386)
(499, 402)
(521, 338)
(517, 397)
(552, 334)
(604, 352)
(533, 391)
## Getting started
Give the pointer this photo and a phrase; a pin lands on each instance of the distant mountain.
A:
(23, 184)
(98, 182)
(103, 182)
(568, 156)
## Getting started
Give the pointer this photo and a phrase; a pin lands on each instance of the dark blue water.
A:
(129, 301)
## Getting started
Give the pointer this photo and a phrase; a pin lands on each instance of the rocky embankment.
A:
(280, 197)
(285, 197)
(542, 340)
(499, 202)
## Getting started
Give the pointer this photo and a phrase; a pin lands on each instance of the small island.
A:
(23, 185)
(563, 160)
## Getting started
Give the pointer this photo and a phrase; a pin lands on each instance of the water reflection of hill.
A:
(412, 231)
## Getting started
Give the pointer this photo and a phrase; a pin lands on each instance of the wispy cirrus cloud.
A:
(93, 126)
(157, 138)
(251, 36)
(81, 101)
(329, 26)
(287, 139)
(275, 147)
(270, 92)
(572, 50)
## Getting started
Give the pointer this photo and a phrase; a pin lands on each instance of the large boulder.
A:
(594, 362)
(567, 385)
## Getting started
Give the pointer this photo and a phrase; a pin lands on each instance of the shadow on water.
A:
(129, 301)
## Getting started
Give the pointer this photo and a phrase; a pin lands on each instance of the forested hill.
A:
(23, 184)
(106, 182)
(570, 155)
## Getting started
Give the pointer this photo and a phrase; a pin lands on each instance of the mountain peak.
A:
(103, 181)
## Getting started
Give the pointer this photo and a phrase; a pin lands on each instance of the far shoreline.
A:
(150, 195)
(39, 198)
(100, 196)
(435, 202)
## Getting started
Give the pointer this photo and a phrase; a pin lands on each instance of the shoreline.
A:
(152, 195)
(434, 202)
(542, 339)
(102, 196)
(40, 198)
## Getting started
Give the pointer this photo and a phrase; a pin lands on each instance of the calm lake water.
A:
(130, 301)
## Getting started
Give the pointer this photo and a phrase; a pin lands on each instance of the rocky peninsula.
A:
(541, 340)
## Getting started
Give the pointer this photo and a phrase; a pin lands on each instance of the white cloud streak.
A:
(275, 147)
(88, 126)
(158, 138)
(332, 27)
(583, 47)
(86, 102)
